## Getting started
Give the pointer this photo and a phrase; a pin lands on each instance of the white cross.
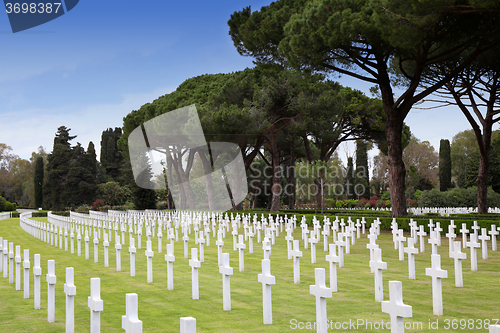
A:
(51, 290)
(118, 247)
(226, 272)
(195, 264)
(220, 244)
(267, 281)
(411, 258)
(333, 259)
(266, 247)
(131, 322)
(493, 233)
(395, 307)
(188, 325)
(341, 244)
(434, 241)
(313, 240)
(430, 225)
(289, 240)
(484, 245)
(458, 256)
(378, 265)
(421, 233)
(26, 266)
(473, 245)
(437, 292)
(401, 239)
(371, 246)
(451, 236)
(70, 291)
(37, 272)
(170, 258)
(476, 228)
(464, 232)
(149, 261)
(95, 304)
(17, 259)
(321, 292)
(296, 254)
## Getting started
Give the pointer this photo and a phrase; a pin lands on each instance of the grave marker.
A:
(437, 292)
(26, 266)
(473, 245)
(464, 232)
(11, 262)
(95, 304)
(51, 290)
(421, 233)
(267, 281)
(149, 255)
(37, 272)
(118, 248)
(131, 322)
(296, 254)
(226, 272)
(241, 255)
(484, 244)
(70, 291)
(333, 259)
(170, 258)
(321, 292)
(458, 256)
(195, 264)
(132, 250)
(18, 267)
(395, 306)
(411, 258)
(188, 325)
(378, 265)
(493, 233)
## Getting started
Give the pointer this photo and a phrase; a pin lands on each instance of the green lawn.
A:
(160, 309)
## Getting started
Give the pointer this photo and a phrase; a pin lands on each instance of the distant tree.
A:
(58, 165)
(143, 198)
(349, 190)
(81, 185)
(113, 194)
(444, 165)
(362, 176)
(111, 156)
(38, 182)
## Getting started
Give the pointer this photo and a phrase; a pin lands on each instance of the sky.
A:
(89, 68)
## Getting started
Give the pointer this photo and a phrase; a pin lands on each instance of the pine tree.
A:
(38, 180)
(58, 164)
(444, 165)
(361, 187)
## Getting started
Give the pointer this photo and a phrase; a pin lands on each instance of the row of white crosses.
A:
(130, 321)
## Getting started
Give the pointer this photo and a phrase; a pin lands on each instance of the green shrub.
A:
(456, 197)
(3, 202)
(386, 195)
(9, 206)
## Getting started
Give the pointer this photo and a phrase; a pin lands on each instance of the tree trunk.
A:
(276, 188)
(207, 168)
(393, 132)
(482, 185)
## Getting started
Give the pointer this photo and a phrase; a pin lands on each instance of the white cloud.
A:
(26, 130)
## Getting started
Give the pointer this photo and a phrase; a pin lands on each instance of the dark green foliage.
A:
(143, 198)
(81, 183)
(38, 182)
(113, 194)
(111, 156)
(494, 170)
(444, 165)
(362, 176)
(58, 164)
(71, 177)
(3, 202)
(456, 197)
(349, 181)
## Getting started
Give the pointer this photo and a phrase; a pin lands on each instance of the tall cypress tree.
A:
(38, 179)
(58, 164)
(361, 186)
(349, 181)
(444, 165)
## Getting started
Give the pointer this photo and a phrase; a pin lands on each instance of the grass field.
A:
(160, 309)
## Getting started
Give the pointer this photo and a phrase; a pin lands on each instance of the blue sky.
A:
(89, 68)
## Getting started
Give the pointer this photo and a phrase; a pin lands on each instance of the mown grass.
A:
(160, 309)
